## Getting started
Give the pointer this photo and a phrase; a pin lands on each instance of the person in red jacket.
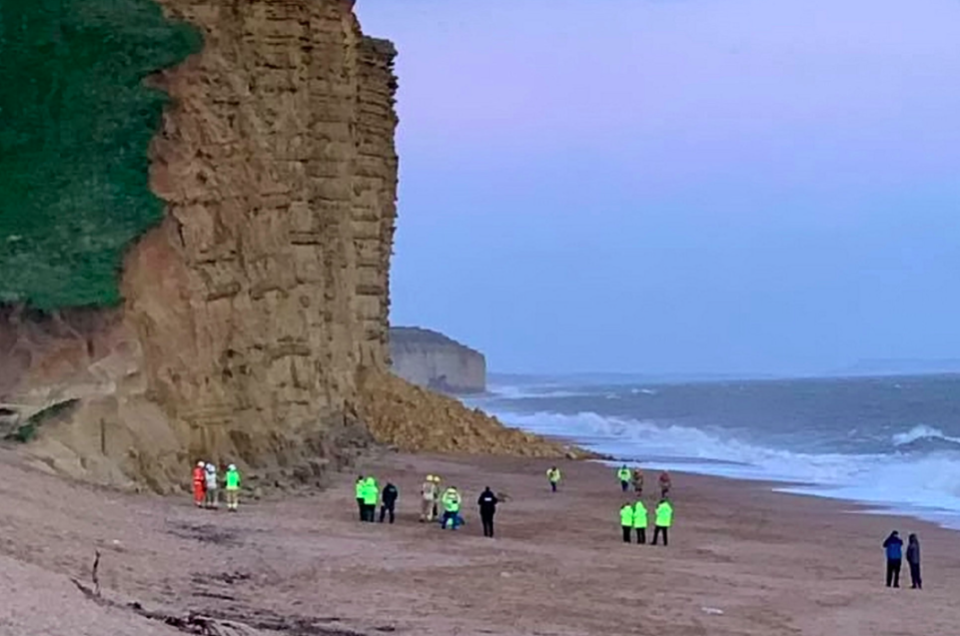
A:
(199, 484)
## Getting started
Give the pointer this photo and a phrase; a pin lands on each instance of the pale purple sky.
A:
(679, 185)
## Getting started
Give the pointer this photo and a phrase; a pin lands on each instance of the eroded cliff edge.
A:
(253, 326)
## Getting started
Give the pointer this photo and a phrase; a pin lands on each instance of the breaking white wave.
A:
(922, 484)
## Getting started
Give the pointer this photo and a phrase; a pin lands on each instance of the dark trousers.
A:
(370, 512)
(553, 486)
(626, 534)
(361, 509)
(657, 532)
(624, 485)
(384, 509)
(893, 572)
(915, 581)
(641, 536)
(487, 519)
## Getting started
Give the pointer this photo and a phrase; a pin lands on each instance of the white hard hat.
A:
(201, 464)
(232, 467)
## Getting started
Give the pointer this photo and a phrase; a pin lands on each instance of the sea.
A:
(892, 443)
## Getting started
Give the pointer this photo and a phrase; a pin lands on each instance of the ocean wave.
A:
(509, 392)
(912, 482)
(923, 433)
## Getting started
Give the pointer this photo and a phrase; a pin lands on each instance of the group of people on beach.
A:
(893, 546)
(634, 516)
(206, 486)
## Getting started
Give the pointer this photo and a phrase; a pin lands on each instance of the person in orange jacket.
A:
(199, 484)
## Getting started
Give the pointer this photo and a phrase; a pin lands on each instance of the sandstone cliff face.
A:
(430, 359)
(254, 322)
(249, 311)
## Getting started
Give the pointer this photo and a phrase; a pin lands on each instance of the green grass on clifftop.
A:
(75, 124)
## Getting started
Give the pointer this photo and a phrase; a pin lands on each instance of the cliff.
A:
(249, 309)
(430, 359)
(251, 322)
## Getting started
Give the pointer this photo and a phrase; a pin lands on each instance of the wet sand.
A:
(771, 563)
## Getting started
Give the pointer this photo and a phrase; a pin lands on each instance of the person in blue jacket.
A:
(894, 548)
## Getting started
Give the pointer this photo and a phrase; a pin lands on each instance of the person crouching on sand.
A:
(894, 550)
(626, 521)
(664, 519)
(199, 484)
(913, 560)
(451, 508)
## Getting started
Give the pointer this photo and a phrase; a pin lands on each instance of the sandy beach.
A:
(301, 564)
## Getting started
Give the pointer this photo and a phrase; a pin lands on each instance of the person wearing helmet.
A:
(199, 484)
(436, 496)
(210, 476)
(232, 479)
(428, 493)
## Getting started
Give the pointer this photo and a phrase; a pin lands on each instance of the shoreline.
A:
(939, 517)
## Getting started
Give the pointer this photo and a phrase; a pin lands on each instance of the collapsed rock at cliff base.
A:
(414, 419)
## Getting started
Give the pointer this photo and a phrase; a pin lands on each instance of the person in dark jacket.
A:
(388, 501)
(488, 508)
(913, 560)
(894, 548)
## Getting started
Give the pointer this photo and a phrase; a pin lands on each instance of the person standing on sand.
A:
(436, 496)
(553, 474)
(371, 493)
(638, 481)
(428, 494)
(210, 476)
(640, 521)
(665, 484)
(358, 489)
(388, 501)
(913, 560)
(624, 475)
(488, 508)
(232, 484)
(894, 550)
(626, 521)
(664, 514)
(199, 484)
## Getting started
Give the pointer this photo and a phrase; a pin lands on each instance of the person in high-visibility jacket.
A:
(371, 494)
(199, 484)
(553, 474)
(626, 521)
(232, 482)
(451, 508)
(358, 488)
(664, 516)
(624, 476)
(640, 521)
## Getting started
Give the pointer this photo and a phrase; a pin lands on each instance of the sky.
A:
(678, 186)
